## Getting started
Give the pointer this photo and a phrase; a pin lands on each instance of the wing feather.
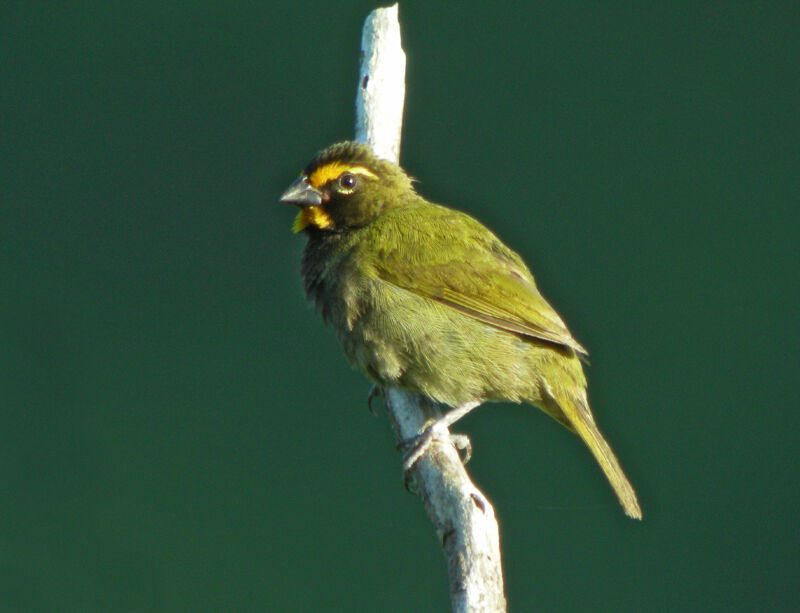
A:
(447, 256)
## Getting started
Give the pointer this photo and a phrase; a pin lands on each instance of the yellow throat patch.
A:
(311, 216)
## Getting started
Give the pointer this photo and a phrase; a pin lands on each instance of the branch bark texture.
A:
(463, 517)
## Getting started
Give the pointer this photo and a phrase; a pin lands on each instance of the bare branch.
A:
(381, 84)
(463, 517)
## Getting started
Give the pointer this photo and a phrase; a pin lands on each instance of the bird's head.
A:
(345, 187)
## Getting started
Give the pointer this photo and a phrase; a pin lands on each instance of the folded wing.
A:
(457, 261)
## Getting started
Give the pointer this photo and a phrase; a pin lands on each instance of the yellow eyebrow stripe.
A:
(332, 170)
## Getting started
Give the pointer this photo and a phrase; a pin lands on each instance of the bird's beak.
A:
(302, 193)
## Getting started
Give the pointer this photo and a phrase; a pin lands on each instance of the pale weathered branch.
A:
(381, 84)
(463, 517)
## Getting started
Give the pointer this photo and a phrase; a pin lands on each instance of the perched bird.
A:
(427, 299)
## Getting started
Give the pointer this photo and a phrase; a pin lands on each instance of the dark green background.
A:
(178, 432)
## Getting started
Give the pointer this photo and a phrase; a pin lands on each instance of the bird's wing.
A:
(447, 256)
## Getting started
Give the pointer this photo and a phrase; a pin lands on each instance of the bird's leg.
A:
(438, 431)
(376, 391)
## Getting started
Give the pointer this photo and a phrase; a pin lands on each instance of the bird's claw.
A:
(376, 391)
(463, 445)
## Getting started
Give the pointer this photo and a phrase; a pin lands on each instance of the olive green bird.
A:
(427, 299)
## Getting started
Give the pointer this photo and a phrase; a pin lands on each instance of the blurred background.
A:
(179, 432)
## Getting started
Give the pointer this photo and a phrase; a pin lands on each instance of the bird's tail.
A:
(580, 418)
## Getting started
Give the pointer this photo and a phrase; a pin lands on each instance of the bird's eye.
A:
(348, 182)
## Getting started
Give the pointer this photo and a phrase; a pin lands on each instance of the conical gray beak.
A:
(302, 193)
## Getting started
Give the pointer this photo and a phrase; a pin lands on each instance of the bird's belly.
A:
(399, 338)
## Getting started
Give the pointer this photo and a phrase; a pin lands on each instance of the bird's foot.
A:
(414, 448)
(463, 445)
(376, 391)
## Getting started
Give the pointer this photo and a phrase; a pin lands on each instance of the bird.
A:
(425, 298)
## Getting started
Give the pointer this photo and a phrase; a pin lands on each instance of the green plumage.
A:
(428, 299)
